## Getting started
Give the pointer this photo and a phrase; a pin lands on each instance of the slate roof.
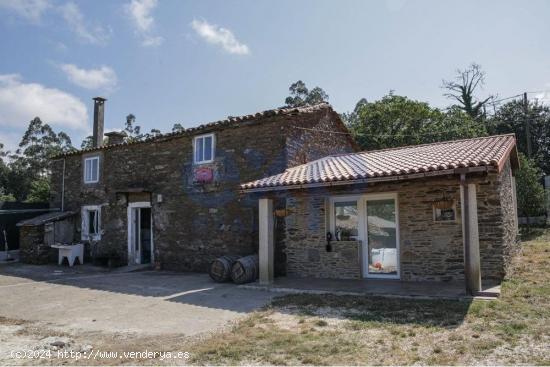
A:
(230, 121)
(411, 161)
(45, 218)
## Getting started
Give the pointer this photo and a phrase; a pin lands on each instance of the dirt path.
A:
(34, 343)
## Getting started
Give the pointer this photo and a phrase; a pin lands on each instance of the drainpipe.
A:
(63, 187)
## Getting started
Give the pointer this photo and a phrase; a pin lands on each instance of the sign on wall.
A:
(203, 175)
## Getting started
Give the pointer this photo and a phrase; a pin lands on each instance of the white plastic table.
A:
(71, 252)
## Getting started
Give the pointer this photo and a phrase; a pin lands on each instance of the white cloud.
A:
(103, 77)
(220, 36)
(10, 139)
(20, 102)
(28, 9)
(139, 12)
(94, 34)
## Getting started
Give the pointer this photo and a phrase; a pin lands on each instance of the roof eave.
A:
(372, 179)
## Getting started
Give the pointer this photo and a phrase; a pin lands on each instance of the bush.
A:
(530, 193)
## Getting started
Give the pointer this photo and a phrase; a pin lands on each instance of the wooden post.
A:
(267, 252)
(470, 234)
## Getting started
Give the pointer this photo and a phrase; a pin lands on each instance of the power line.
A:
(376, 135)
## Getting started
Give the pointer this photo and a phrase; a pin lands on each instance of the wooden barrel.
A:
(220, 269)
(245, 269)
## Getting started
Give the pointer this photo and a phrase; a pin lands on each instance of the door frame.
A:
(138, 205)
(366, 252)
(362, 228)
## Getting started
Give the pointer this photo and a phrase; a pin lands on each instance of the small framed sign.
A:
(444, 213)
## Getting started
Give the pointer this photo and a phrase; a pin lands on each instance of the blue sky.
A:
(197, 61)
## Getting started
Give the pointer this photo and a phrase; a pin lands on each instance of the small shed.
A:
(38, 234)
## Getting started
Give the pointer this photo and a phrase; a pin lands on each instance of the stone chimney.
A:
(99, 121)
(115, 137)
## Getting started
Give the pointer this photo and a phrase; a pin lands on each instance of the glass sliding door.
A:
(382, 237)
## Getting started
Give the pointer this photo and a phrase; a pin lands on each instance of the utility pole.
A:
(527, 124)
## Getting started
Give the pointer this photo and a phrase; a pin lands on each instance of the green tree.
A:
(152, 134)
(177, 128)
(510, 118)
(396, 121)
(87, 143)
(38, 145)
(133, 131)
(463, 88)
(6, 197)
(31, 161)
(530, 193)
(300, 95)
(18, 180)
(4, 170)
(39, 191)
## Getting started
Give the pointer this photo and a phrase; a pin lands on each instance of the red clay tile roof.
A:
(436, 158)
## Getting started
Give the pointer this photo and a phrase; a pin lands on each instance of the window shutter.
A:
(84, 225)
(327, 215)
(98, 222)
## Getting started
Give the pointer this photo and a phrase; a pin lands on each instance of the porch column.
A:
(470, 236)
(266, 253)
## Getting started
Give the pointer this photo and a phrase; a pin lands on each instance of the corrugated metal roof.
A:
(230, 121)
(45, 218)
(489, 151)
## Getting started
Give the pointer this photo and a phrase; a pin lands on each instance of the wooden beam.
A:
(470, 234)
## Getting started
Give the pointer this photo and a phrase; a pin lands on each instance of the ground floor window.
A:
(91, 222)
(346, 221)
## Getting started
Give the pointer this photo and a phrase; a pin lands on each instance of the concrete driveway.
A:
(147, 302)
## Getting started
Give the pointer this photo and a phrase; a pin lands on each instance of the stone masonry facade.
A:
(429, 250)
(194, 223)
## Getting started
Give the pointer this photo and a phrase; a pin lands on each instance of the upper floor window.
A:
(204, 148)
(91, 169)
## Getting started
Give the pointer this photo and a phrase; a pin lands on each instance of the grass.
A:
(322, 329)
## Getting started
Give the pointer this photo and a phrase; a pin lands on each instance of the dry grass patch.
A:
(324, 329)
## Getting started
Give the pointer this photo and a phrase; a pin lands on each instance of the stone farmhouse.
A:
(290, 184)
(174, 200)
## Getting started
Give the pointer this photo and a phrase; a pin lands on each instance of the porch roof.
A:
(45, 218)
(395, 163)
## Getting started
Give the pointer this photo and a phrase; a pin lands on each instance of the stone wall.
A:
(192, 223)
(32, 249)
(429, 250)
(305, 244)
(497, 223)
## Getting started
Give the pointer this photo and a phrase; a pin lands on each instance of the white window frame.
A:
(360, 214)
(85, 235)
(91, 159)
(213, 148)
(361, 200)
(131, 206)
